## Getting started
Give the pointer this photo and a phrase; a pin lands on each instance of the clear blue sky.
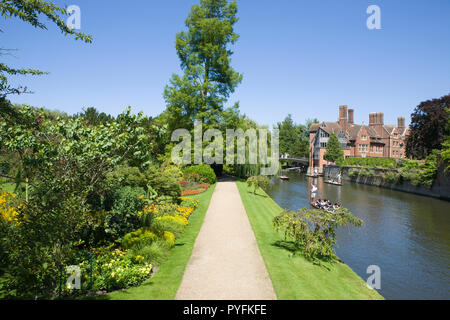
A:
(300, 57)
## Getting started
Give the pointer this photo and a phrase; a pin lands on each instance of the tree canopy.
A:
(29, 11)
(205, 58)
(294, 139)
(334, 151)
(428, 127)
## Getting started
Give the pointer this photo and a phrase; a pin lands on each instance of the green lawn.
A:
(293, 277)
(165, 283)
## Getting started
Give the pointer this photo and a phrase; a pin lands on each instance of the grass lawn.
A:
(165, 283)
(293, 277)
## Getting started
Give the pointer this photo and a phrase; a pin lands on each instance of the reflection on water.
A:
(406, 235)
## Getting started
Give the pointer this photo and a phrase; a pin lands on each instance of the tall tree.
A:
(293, 137)
(334, 151)
(29, 11)
(205, 57)
(428, 127)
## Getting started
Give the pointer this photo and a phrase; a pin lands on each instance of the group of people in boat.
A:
(326, 205)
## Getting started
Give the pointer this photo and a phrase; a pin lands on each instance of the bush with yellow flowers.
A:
(8, 209)
(114, 270)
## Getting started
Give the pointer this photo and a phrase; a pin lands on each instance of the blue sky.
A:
(300, 57)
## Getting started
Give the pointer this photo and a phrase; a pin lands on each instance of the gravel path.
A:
(226, 263)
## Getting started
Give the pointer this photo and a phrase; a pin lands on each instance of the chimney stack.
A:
(372, 119)
(351, 113)
(343, 117)
(380, 118)
(401, 123)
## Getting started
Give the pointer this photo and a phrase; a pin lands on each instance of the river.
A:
(406, 235)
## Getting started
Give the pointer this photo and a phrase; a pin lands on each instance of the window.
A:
(371, 148)
(363, 148)
(323, 134)
(379, 149)
(364, 137)
(323, 144)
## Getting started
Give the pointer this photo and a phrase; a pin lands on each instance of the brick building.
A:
(373, 140)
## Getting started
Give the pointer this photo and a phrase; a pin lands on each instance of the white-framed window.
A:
(379, 149)
(364, 137)
(363, 147)
(323, 145)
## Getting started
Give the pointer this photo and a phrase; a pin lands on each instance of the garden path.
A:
(226, 263)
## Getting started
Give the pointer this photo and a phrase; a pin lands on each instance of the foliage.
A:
(391, 177)
(94, 118)
(205, 172)
(313, 232)
(353, 173)
(370, 162)
(171, 224)
(154, 253)
(294, 138)
(165, 180)
(124, 216)
(446, 144)
(114, 270)
(428, 128)
(259, 182)
(334, 151)
(142, 236)
(29, 12)
(208, 78)
(125, 175)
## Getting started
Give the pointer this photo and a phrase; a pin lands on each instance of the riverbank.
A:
(293, 277)
(440, 188)
(165, 283)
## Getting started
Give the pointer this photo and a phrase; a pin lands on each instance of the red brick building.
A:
(373, 140)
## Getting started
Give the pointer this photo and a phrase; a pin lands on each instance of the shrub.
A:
(353, 173)
(172, 224)
(169, 238)
(155, 253)
(165, 182)
(124, 216)
(126, 176)
(259, 182)
(205, 172)
(143, 236)
(391, 177)
(113, 271)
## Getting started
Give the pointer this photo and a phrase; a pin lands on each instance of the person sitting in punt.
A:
(336, 206)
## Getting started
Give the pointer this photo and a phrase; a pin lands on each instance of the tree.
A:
(294, 138)
(208, 79)
(428, 128)
(334, 152)
(30, 12)
(446, 144)
(313, 232)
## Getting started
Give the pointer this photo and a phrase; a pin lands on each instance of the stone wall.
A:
(440, 188)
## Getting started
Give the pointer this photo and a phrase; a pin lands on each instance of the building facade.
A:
(373, 140)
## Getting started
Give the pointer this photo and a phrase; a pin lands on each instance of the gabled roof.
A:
(331, 127)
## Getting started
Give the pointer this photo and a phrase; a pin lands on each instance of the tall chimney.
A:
(343, 117)
(372, 119)
(351, 113)
(381, 118)
(401, 123)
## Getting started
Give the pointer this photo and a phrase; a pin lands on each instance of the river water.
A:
(406, 235)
